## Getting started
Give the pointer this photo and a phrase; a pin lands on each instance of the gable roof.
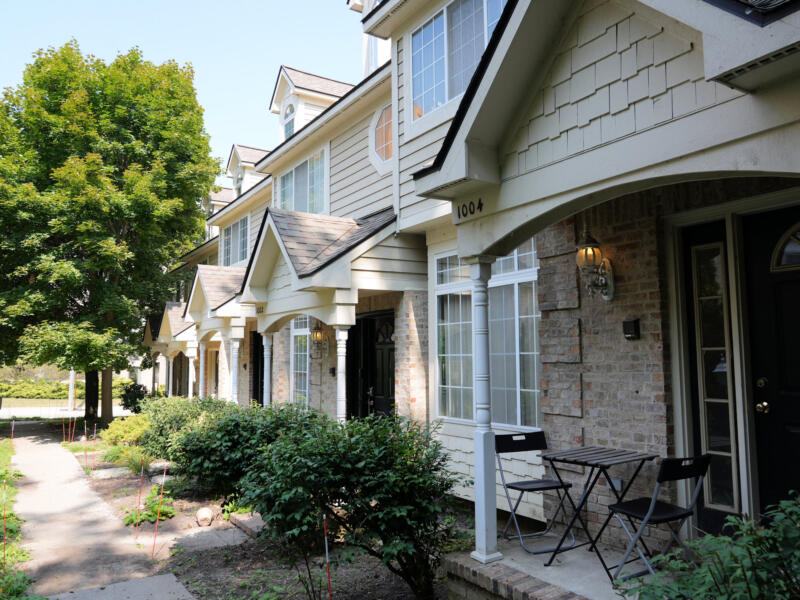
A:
(313, 241)
(316, 83)
(220, 284)
(153, 323)
(174, 314)
(223, 196)
(250, 154)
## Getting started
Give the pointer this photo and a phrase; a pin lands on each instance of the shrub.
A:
(127, 430)
(132, 396)
(219, 452)
(756, 562)
(382, 481)
(171, 418)
(151, 510)
(44, 389)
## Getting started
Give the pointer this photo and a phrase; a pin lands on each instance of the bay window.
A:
(303, 188)
(235, 243)
(513, 339)
(446, 49)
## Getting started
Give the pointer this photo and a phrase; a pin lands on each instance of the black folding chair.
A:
(528, 442)
(651, 511)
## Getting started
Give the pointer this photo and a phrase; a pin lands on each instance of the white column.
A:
(341, 373)
(190, 392)
(485, 492)
(169, 375)
(202, 387)
(71, 401)
(234, 397)
(267, 339)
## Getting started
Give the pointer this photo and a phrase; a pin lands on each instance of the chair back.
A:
(675, 469)
(520, 442)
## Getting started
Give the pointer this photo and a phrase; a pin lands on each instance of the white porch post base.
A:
(341, 374)
(485, 499)
(201, 382)
(267, 339)
(235, 371)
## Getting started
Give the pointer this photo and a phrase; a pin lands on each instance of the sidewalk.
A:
(75, 540)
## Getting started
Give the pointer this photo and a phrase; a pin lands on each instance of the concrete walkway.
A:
(75, 540)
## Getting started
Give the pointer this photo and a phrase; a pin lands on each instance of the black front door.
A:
(772, 256)
(370, 365)
(257, 366)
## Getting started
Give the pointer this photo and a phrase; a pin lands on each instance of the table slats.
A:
(596, 456)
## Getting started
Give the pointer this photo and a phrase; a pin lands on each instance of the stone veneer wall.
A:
(598, 388)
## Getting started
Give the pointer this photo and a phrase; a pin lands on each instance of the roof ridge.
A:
(320, 76)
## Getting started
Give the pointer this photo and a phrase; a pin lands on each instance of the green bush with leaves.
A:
(127, 430)
(45, 389)
(132, 457)
(220, 451)
(171, 418)
(151, 511)
(132, 396)
(382, 481)
(755, 562)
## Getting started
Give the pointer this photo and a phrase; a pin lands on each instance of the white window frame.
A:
(295, 331)
(383, 166)
(448, 109)
(285, 119)
(515, 278)
(227, 242)
(277, 199)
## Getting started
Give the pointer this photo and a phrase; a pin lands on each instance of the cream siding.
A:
(619, 72)
(256, 216)
(356, 187)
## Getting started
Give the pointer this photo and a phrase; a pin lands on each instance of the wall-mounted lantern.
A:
(598, 269)
(319, 345)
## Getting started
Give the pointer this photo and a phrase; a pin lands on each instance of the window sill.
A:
(495, 426)
(432, 120)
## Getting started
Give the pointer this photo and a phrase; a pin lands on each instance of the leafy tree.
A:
(102, 166)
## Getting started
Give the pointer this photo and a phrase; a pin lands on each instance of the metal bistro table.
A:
(599, 460)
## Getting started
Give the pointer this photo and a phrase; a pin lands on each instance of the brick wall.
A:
(598, 388)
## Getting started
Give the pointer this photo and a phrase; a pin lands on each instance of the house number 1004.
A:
(465, 209)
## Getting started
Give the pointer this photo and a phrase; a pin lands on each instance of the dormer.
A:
(241, 167)
(298, 97)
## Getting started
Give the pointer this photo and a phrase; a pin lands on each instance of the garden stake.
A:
(63, 431)
(158, 514)
(85, 441)
(327, 560)
(94, 447)
(139, 502)
(12, 429)
(4, 525)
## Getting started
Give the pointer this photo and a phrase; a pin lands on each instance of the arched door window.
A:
(786, 256)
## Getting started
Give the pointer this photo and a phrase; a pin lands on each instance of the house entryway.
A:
(740, 276)
(370, 361)
(257, 367)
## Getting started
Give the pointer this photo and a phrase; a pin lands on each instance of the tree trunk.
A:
(107, 408)
(91, 395)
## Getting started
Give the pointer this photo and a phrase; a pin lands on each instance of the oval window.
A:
(383, 134)
(787, 252)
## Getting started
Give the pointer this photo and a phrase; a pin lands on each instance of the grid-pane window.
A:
(235, 242)
(454, 324)
(428, 69)
(243, 223)
(288, 125)
(303, 188)
(450, 269)
(465, 43)
(513, 338)
(494, 8)
(300, 361)
(383, 134)
(316, 183)
(446, 49)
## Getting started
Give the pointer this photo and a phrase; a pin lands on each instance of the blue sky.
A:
(235, 48)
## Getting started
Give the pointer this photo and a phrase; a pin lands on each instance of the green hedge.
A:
(42, 389)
